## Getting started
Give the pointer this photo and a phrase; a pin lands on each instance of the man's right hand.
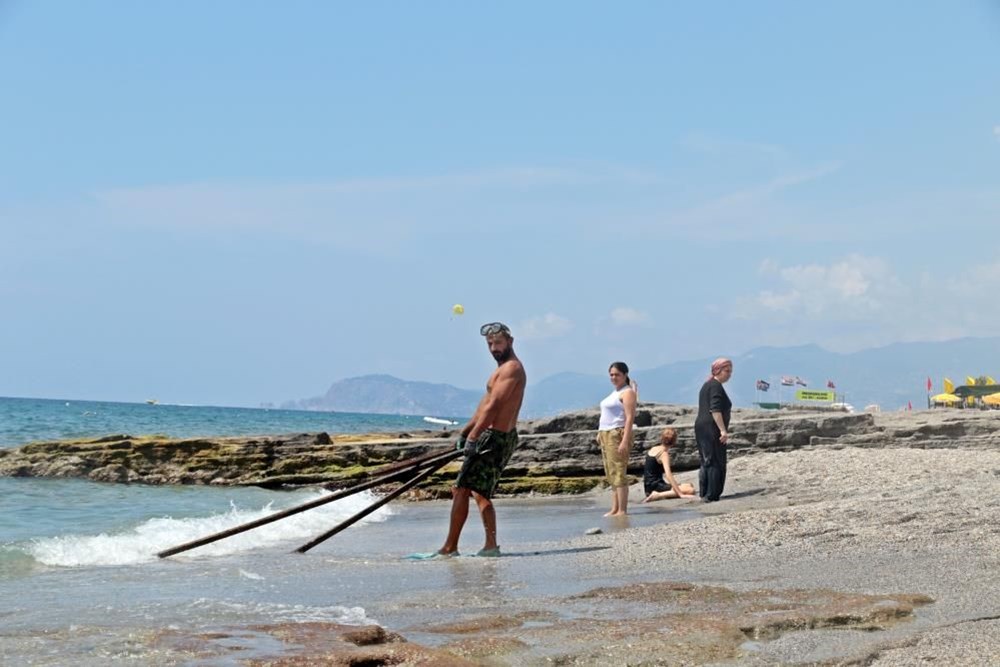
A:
(460, 444)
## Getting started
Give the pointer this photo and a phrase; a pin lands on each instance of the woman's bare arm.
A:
(669, 475)
(628, 400)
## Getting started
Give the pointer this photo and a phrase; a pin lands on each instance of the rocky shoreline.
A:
(556, 455)
(873, 557)
(841, 539)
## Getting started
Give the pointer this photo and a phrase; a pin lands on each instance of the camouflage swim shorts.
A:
(481, 470)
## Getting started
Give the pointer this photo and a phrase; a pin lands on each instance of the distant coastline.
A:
(893, 377)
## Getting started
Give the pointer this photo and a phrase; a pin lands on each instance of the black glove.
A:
(473, 447)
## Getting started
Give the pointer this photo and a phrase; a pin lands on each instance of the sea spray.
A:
(141, 543)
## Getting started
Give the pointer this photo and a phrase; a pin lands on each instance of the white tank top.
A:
(612, 411)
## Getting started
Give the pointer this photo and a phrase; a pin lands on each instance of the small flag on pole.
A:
(929, 384)
(762, 385)
(800, 381)
(787, 380)
(909, 406)
(830, 384)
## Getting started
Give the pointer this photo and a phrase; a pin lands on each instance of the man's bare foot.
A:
(611, 513)
(617, 514)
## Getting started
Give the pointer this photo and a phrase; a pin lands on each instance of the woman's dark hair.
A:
(622, 368)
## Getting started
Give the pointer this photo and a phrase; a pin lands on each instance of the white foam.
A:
(281, 613)
(142, 543)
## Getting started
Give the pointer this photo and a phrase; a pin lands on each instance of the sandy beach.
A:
(854, 521)
(821, 556)
(851, 556)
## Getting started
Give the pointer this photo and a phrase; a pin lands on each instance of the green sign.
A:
(809, 395)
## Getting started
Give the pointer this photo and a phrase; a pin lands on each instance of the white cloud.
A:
(276, 205)
(375, 215)
(746, 212)
(851, 287)
(549, 325)
(785, 301)
(768, 265)
(625, 316)
(860, 301)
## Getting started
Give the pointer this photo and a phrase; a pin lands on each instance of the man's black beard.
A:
(503, 356)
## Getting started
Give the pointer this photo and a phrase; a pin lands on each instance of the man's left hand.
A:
(475, 445)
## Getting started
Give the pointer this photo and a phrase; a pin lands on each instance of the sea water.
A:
(29, 419)
(80, 581)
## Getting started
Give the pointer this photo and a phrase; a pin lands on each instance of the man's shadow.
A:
(553, 552)
(744, 494)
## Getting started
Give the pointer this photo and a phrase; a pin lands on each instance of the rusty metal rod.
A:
(395, 475)
(433, 467)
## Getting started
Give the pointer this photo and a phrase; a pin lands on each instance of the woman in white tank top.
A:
(614, 435)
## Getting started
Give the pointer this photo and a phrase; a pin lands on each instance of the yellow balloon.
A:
(458, 309)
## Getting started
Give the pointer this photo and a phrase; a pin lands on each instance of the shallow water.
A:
(80, 582)
(86, 586)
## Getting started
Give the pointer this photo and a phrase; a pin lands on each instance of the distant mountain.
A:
(561, 392)
(386, 394)
(889, 376)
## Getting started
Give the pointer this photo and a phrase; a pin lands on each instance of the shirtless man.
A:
(489, 439)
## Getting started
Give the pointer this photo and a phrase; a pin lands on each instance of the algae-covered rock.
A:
(555, 456)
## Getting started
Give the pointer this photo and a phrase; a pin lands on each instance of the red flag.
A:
(830, 384)
(909, 406)
(929, 385)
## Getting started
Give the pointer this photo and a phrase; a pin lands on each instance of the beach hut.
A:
(945, 399)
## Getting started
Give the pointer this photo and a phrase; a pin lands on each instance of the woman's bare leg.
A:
(619, 501)
(614, 503)
(660, 495)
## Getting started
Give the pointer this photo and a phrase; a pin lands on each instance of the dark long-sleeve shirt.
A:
(712, 398)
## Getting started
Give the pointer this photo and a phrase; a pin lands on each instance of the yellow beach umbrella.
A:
(992, 399)
(945, 398)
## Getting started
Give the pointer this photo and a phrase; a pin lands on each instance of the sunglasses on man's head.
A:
(493, 328)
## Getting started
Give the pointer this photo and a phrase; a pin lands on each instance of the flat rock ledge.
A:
(556, 455)
(662, 623)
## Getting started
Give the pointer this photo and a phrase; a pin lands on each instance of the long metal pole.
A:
(415, 464)
(374, 506)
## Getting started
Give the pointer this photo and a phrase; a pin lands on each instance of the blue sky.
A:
(237, 202)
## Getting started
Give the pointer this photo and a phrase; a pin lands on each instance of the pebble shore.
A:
(852, 520)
